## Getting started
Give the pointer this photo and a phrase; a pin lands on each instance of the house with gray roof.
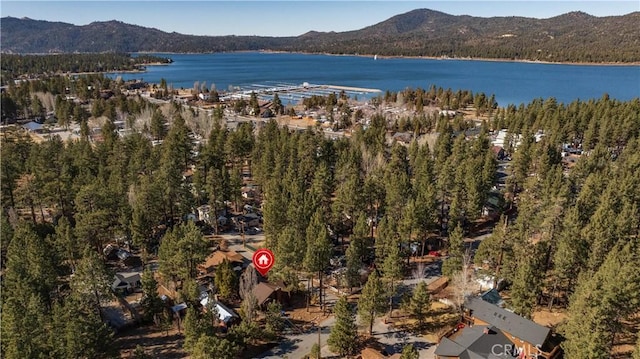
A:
(491, 332)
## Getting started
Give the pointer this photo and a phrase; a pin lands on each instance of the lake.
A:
(511, 82)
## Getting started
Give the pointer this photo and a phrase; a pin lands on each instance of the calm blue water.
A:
(511, 82)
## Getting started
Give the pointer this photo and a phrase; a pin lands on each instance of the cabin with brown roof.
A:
(265, 292)
(216, 258)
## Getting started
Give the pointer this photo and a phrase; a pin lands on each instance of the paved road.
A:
(296, 346)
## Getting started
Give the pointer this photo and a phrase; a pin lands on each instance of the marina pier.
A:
(293, 92)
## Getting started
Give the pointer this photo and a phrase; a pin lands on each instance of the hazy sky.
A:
(285, 18)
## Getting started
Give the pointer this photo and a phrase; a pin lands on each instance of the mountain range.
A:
(571, 37)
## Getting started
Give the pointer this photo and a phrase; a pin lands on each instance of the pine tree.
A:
(528, 282)
(571, 253)
(67, 244)
(392, 271)
(420, 303)
(194, 327)
(354, 256)
(208, 346)
(372, 301)
(139, 353)
(318, 254)
(601, 302)
(226, 280)
(343, 338)
(181, 250)
(274, 323)
(409, 352)
(80, 332)
(23, 325)
(151, 303)
(455, 253)
(91, 282)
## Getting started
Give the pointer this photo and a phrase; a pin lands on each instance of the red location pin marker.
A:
(263, 260)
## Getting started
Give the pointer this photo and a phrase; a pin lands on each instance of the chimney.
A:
(485, 330)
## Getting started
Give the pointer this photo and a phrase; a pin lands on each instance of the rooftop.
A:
(507, 321)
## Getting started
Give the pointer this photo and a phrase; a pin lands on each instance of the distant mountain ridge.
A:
(571, 37)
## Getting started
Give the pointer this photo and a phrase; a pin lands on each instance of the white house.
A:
(224, 313)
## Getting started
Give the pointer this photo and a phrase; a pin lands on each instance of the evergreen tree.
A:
(571, 254)
(455, 253)
(392, 271)
(494, 250)
(79, 332)
(91, 282)
(23, 325)
(195, 327)
(226, 280)
(354, 261)
(139, 353)
(343, 338)
(318, 254)
(420, 303)
(409, 352)
(151, 303)
(315, 351)
(29, 267)
(601, 302)
(207, 347)
(181, 250)
(67, 244)
(274, 323)
(529, 278)
(158, 125)
(277, 104)
(372, 301)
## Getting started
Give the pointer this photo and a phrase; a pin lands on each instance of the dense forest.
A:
(567, 239)
(419, 32)
(31, 66)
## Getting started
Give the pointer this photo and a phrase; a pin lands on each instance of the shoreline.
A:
(486, 59)
(382, 57)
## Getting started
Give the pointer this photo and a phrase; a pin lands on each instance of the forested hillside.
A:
(568, 238)
(572, 37)
(32, 66)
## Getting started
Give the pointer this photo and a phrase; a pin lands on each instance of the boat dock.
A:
(288, 92)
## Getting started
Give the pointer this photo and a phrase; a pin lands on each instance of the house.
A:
(248, 193)
(217, 257)
(266, 292)
(206, 215)
(499, 152)
(33, 127)
(226, 315)
(489, 331)
(448, 113)
(126, 282)
(493, 205)
(249, 219)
